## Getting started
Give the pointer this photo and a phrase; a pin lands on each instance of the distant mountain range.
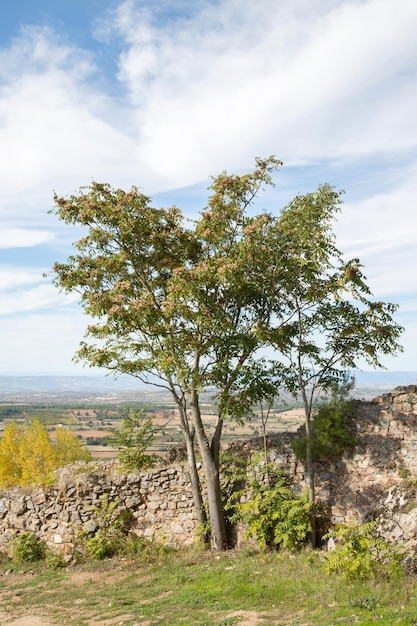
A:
(102, 384)
(67, 384)
(383, 377)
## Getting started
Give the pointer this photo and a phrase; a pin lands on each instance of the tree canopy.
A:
(28, 455)
(194, 305)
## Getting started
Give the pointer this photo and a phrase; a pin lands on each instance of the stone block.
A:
(132, 502)
(18, 507)
(177, 529)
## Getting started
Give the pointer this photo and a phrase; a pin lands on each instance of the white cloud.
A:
(302, 80)
(23, 237)
(11, 277)
(312, 81)
(382, 231)
(32, 299)
(57, 130)
(305, 80)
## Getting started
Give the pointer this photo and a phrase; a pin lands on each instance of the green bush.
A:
(274, 515)
(100, 547)
(330, 428)
(27, 548)
(54, 560)
(277, 516)
(362, 554)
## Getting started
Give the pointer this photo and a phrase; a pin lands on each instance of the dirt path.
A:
(28, 620)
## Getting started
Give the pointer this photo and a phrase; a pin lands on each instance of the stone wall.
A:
(386, 454)
(374, 478)
(386, 430)
(160, 501)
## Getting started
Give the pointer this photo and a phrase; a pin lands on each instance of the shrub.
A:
(54, 560)
(274, 515)
(277, 516)
(100, 546)
(362, 553)
(113, 530)
(27, 548)
(330, 427)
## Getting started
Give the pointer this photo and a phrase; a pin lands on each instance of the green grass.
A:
(201, 589)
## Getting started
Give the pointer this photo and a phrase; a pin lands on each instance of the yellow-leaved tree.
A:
(35, 454)
(28, 456)
(68, 448)
(10, 467)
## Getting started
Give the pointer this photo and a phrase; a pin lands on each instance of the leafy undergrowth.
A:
(201, 589)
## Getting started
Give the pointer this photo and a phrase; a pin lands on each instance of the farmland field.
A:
(95, 421)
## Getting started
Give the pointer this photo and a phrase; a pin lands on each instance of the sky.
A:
(163, 94)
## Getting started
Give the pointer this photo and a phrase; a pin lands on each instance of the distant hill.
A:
(383, 377)
(11, 385)
(67, 384)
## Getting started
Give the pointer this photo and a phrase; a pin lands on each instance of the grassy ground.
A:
(201, 589)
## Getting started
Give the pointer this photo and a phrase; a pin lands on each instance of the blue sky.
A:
(163, 94)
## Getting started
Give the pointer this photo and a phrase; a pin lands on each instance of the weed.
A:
(277, 516)
(112, 535)
(370, 603)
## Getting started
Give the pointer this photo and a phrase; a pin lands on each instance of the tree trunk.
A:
(215, 442)
(310, 473)
(218, 533)
(192, 464)
(195, 481)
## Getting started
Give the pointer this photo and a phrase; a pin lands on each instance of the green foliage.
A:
(370, 603)
(360, 553)
(27, 548)
(277, 516)
(273, 514)
(100, 546)
(133, 441)
(233, 483)
(54, 560)
(330, 428)
(112, 535)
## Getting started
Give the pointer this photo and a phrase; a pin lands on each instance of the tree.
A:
(10, 468)
(172, 305)
(332, 322)
(28, 456)
(188, 307)
(133, 440)
(36, 454)
(67, 448)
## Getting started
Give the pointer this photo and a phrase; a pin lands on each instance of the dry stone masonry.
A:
(160, 502)
(378, 478)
